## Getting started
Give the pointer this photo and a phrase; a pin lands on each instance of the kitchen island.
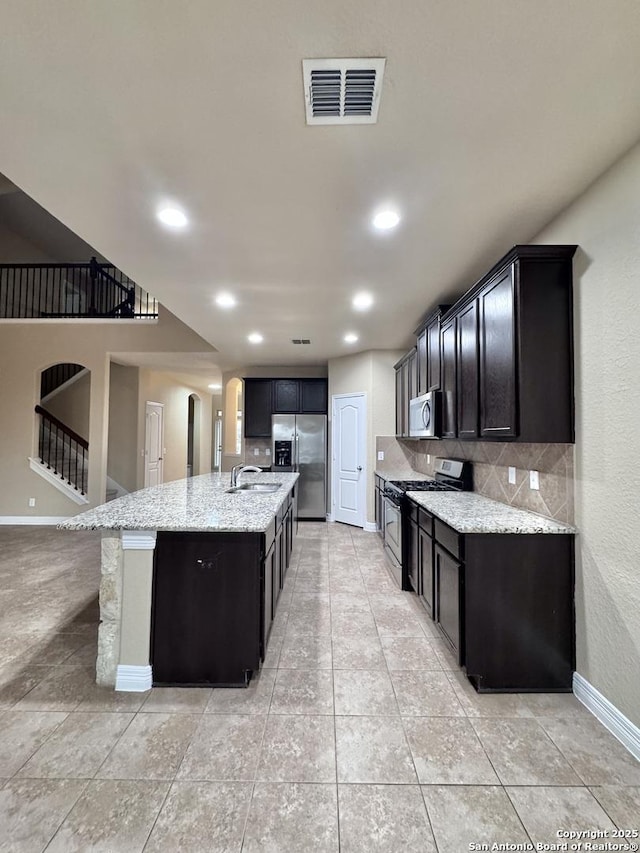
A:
(190, 577)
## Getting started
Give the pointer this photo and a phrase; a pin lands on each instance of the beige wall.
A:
(71, 405)
(122, 453)
(371, 372)
(15, 249)
(28, 348)
(605, 222)
(173, 393)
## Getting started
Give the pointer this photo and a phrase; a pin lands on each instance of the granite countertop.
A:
(197, 504)
(468, 512)
(402, 474)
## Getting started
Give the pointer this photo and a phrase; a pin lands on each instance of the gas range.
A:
(451, 475)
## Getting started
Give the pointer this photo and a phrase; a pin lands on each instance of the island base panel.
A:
(206, 609)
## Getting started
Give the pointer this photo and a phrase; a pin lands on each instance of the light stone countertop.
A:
(194, 504)
(468, 512)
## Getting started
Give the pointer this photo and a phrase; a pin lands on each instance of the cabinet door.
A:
(448, 338)
(286, 396)
(206, 608)
(467, 352)
(414, 557)
(426, 570)
(267, 602)
(497, 358)
(448, 598)
(400, 396)
(278, 575)
(412, 380)
(433, 355)
(421, 346)
(313, 396)
(257, 408)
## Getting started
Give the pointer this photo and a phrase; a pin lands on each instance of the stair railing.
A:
(92, 290)
(63, 451)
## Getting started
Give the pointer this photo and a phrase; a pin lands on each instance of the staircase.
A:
(63, 453)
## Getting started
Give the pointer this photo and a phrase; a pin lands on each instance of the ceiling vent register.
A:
(300, 341)
(342, 91)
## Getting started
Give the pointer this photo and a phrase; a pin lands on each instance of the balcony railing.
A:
(90, 290)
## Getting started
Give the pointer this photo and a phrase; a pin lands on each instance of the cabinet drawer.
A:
(425, 520)
(449, 539)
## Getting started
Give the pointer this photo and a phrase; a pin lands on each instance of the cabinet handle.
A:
(206, 564)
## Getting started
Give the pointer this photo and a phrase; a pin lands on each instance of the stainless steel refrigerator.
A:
(299, 443)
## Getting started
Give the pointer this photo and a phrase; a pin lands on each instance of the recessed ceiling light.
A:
(173, 217)
(255, 338)
(350, 338)
(385, 220)
(226, 300)
(362, 301)
(215, 387)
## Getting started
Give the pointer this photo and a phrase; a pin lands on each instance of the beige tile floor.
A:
(360, 733)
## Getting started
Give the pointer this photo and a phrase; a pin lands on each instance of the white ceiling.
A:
(494, 116)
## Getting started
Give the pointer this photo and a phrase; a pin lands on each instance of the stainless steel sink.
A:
(255, 487)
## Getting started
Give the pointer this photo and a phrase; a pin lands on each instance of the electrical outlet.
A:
(267, 452)
(380, 455)
(428, 459)
(534, 480)
(32, 501)
(512, 475)
(256, 451)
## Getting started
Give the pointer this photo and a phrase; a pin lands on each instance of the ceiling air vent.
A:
(300, 341)
(342, 91)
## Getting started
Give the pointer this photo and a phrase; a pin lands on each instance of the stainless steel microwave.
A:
(424, 415)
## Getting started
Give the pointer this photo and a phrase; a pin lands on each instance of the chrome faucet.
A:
(240, 469)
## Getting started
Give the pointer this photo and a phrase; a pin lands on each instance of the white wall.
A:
(605, 222)
(371, 372)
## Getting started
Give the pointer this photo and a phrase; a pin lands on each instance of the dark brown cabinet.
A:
(448, 376)
(313, 396)
(467, 371)
(498, 357)
(422, 369)
(257, 408)
(428, 352)
(286, 396)
(206, 608)
(413, 552)
(504, 604)
(379, 484)
(406, 384)
(448, 587)
(266, 397)
(426, 570)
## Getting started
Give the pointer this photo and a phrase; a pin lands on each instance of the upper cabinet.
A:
(428, 367)
(266, 397)
(502, 356)
(286, 396)
(257, 408)
(406, 384)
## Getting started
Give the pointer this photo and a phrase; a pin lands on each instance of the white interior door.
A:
(153, 444)
(349, 453)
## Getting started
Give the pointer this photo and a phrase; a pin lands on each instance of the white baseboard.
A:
(370, 527)
(133, 679)
(43, 520)
(329, 517)
(611, 718)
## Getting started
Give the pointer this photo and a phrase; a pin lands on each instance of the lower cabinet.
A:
(206, 608)
(214, 600)
(504, 603)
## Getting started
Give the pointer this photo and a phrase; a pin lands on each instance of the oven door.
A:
(393, 538)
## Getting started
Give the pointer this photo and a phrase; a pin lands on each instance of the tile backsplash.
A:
(261, 445)
(491, 461)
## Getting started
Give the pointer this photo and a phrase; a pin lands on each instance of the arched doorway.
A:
(63, 422)
(193, 435)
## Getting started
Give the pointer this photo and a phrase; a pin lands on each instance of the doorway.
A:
(349, 454)
(154, 444)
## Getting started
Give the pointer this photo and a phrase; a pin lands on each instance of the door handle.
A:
(359, 467)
